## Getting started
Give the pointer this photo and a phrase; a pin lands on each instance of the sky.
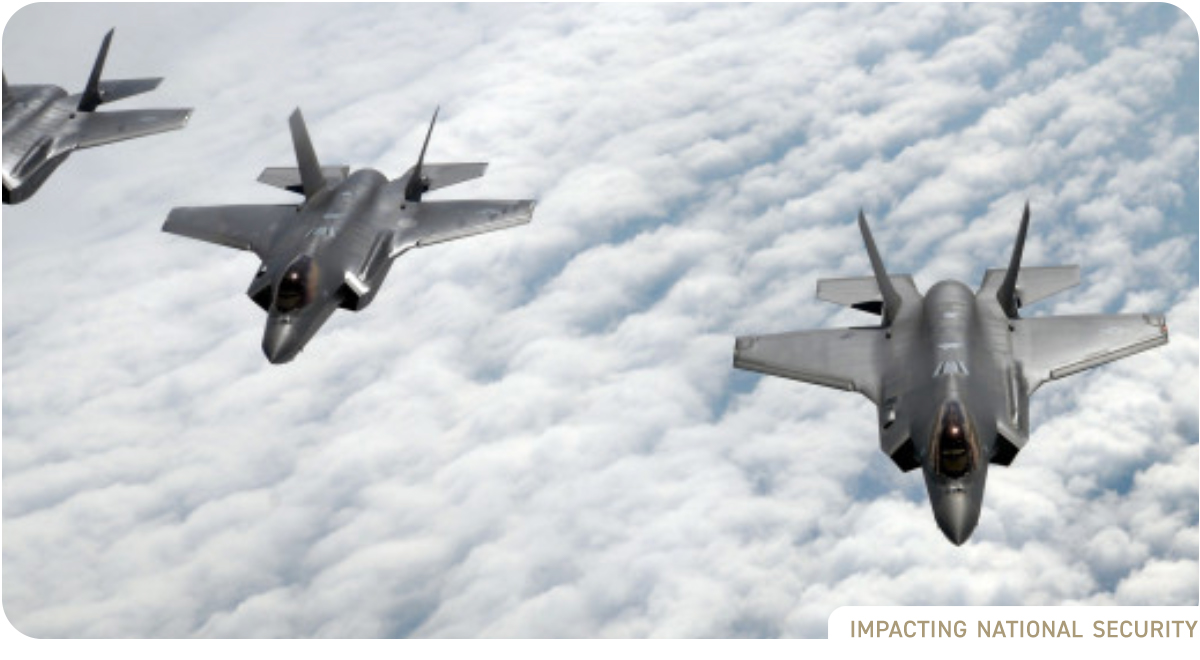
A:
(538, 432)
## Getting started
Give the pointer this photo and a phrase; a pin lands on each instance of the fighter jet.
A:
(951, 371)
(43, 124)
(335, 248)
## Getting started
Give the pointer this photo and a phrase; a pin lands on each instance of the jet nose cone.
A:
(957, 516)
(281, 343)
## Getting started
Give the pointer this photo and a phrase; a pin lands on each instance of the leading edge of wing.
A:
(244, 227)
(839, 358)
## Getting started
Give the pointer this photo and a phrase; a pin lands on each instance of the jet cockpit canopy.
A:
(955, 442)
(296, 287)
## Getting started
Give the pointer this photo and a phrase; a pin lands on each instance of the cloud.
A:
(538, 432)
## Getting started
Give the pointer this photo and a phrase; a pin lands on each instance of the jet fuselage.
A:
(35, 119)
(950, 389)
(339, 234)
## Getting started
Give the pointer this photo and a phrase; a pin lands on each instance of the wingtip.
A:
(743, 343)
(168, 224)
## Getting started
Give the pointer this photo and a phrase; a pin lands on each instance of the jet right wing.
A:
(1055, 347)
(245, 227)
(840, 358)
(434, 222)
(98, 128)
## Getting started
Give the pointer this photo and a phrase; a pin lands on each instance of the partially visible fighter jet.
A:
(951, 372)
(334, 249)
(43, 125)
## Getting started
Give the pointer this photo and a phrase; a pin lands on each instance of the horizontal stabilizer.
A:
(115, 90)
(90, 130)
(441, 175)
(1036, 283)
(289, 178)
(861, 293)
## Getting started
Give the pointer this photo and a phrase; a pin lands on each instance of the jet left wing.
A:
(1058, 346)
(98, 128)
(841, 358)
(434, 222)
(245, 227)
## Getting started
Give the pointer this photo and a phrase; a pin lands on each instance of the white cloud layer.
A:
(538, 432)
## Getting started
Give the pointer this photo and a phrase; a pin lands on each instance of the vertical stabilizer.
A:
(90, 100)
(416, 184)
(311, 178)
(1007, 293)
(891, 299)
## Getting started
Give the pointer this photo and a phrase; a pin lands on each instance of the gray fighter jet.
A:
(335, 248)
(43, 124)
(951, 372)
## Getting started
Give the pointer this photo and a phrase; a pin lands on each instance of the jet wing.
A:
(247, 227)
(98, 128)
(434, 222)
(1058, 346)
(841, 358)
